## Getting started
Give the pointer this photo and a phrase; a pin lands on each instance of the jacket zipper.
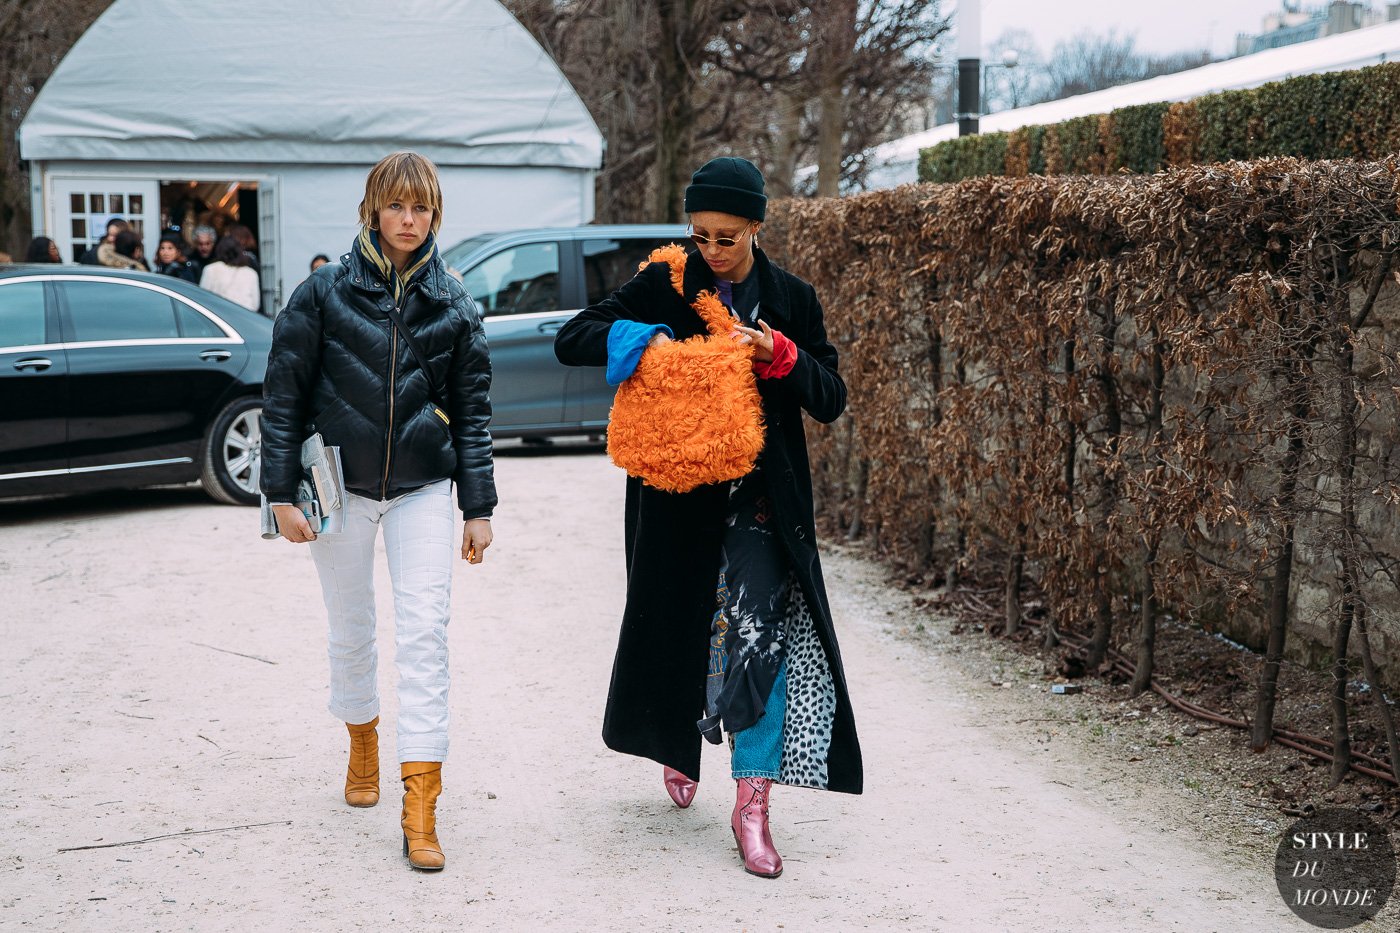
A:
(389, 438)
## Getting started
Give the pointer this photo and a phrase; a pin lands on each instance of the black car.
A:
(115, 379)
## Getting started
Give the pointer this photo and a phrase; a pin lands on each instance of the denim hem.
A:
(355, 715)
(770, 775)
(425, 754)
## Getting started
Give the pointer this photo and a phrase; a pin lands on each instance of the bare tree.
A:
(732, 78)
(1009, 88)
(1091, 62)
(34, 37)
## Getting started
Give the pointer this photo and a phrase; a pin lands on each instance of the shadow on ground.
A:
(91, 505)
(98, 504)
(550, 447)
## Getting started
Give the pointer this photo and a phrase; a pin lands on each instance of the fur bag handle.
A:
(712, 311)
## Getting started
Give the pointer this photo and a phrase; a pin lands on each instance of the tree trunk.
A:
(1341, 674)
(1103, 625)
(1071, 431)
(1147, 632)
(1351, 540)
(787, 149)
(675, 118)
(1267, 692)
(951, 574)
(1113, 429)
(858, 508)
(1368, 663)
(1015, 571)
(838, 44)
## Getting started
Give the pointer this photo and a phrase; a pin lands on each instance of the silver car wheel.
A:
(242, 449)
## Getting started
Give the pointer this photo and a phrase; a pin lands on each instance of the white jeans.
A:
(418, 538)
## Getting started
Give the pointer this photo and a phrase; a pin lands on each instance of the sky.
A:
(1160, 26)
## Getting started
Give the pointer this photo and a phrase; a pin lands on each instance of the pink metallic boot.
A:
(680, 787)
(750, 825)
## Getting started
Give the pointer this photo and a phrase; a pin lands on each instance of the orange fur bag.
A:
(690, 413)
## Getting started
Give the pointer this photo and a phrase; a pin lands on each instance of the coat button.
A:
(800, 532)
(790, 476)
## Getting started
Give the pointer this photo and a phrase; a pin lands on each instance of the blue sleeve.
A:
(626, 341)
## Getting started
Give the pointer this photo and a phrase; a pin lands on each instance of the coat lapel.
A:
(773, 304)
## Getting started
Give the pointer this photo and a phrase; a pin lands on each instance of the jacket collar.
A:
(431, 279)
(772, 297)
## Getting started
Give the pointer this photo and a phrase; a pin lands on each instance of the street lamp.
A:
(1010, 58)
(969, 66)
(971, 71)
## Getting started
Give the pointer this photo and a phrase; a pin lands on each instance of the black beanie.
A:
(729, 185)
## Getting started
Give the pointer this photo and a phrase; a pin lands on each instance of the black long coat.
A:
(673, 541)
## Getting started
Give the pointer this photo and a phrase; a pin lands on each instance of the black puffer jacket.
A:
(334, 356)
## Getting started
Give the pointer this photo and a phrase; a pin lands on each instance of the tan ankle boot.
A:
(362, 776)
(422, 782)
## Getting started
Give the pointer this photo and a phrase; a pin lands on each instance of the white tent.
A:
(294, 101)
(897, 162)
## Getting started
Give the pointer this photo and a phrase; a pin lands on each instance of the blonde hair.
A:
(401, 176)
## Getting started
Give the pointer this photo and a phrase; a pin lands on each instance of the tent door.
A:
(269, 242)
(81, 207)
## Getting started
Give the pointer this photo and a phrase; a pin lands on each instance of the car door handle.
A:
(36, 363)
(215, 356)
(550, 327)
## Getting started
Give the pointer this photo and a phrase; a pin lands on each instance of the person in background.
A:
(230, 276)
(245, 239)
(170, 258)
(123, 253)
(406, 434)
(5, 258)
(114, 226)
(319, 260)
(205, 237)
(42, 249)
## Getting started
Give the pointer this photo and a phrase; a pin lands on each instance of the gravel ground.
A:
(165, 672)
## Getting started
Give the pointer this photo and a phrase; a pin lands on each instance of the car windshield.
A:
(456, 256)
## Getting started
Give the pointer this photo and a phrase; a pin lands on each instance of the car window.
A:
(22, 314)
(608, 264)
(108, 311)
(194, 324)
(519, 280)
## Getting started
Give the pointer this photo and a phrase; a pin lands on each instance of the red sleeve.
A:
(784, 358)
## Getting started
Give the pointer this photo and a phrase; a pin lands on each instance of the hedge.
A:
(1344, 114)
(1167, 395)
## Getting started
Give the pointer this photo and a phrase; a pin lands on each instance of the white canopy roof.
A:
(277, 81)
(896, 163)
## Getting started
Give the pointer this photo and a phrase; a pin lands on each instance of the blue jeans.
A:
(758, 750)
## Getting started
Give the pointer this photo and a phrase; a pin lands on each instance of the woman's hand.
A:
(292, 524)
(656, 341)
(476, 538)
(762, 340)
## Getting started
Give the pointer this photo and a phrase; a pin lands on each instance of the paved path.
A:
(129, 715)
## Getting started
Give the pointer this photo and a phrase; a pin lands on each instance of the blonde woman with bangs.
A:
(383, 353)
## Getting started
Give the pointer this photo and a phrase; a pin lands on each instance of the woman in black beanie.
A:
(727, 626)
